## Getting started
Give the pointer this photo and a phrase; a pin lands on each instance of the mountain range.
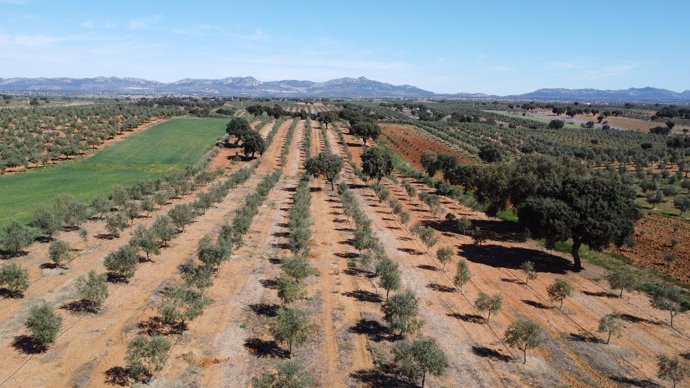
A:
(337, 88)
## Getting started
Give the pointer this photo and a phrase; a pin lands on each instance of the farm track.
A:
(107, 332)
(571, 351)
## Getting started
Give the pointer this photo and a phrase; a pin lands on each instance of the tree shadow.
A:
(106, 236)
(81, 306)
(635, 319)
(513, 257)
(269, 283)
(281, 234)
(358, 272)
(427, 267)
(364, 296)
(116, 278)
(440, 287)
(483, 351)
(347, 255)
(585, 338)
(6, 293)
(382, 378)
(471, 318)
(536, 304)
(411, 251)
(45, 239)
(156, 326)
(263, 348)
(6, 255)
(601, 293)
(275, 260)
(641, 383)
(49, 266)
(28, 344)
(347, 230)
(374, 330)
(118, 375)
(265, 309)
(512, 280)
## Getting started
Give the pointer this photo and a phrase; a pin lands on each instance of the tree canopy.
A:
(325, 164)
(377, 162)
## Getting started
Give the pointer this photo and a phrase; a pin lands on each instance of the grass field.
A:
(154, 153)
(529, 118)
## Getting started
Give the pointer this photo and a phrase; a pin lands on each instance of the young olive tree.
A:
(559, 290)
(415, 359)
(524, 334)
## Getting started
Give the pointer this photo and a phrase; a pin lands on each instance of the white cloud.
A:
(142, 23)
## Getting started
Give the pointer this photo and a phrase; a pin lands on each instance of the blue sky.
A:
(499, 47)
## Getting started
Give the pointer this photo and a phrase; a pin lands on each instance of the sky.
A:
(496, 47)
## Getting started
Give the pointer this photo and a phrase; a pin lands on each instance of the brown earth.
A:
(573, 354)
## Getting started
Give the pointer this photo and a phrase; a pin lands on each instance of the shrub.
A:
(146, 355)
(182, 304)
(93, 288)
(122, 261)
(43, 323)
(289, 290)
(59, 252)
(46, 221)
(297, 267)
(210, 253)
(14, 278)
(288, 374)
(15, 236)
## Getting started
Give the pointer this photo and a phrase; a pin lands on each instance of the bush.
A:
(288, 374)
(146, 355)
(43, 323)
(93, 288)
(122, 261)
(289, 290)
(528, 268)
(400, 311)
(297, 267)
(15, 236)
(47, 221)
(195, 276)
(181, 215)
(59, 252)
(14, 278)
(182, 304)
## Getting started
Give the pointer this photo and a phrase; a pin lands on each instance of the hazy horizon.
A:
(444, 47)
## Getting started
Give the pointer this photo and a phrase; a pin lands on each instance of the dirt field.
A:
(410, 143)
(624, 123)
(230, 343)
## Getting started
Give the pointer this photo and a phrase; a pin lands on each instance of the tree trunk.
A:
(671, 318)
(621, 294)
(387, 292)
(423, 379)
(524, 355)
(561, 306)
(332, 184)
(488, 317)
(576, 254)
(609, 338)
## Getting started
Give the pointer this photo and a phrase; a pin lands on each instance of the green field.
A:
(530, 118)
(151, 154)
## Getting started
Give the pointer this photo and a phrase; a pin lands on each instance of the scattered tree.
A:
(611, 324)
(389, 275)
(15, 236)
(377, 163)
(365, 130)
(291, 327)
(326, 164)
(488, 303)
(238, 127)
(444, 255)
(622, 280)
(462, 275)
(524, 334)
(490, 153)
(528, 268)
(400, 311)
(559, 290)
(682, 203)
(122, 261)
(673, 369)
(667, 297)
(253, 143)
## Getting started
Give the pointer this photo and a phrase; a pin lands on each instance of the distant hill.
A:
(233, 86)
(339, 88)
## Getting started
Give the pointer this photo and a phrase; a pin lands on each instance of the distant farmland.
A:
(158, 151)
